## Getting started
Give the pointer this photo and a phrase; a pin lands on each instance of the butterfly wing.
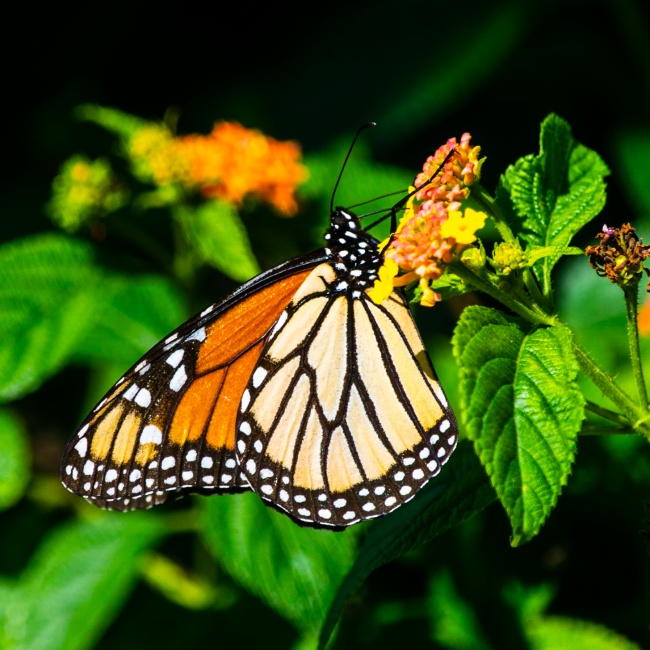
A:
(167, 427)
(343, 418)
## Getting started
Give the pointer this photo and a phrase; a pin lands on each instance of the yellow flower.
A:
(463, 228)
(383, 286)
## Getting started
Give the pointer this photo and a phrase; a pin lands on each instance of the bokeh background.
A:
(424, 72)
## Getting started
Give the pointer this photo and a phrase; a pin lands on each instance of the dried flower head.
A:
(619, 256)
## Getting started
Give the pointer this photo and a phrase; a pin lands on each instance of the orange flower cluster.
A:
(431, 233)
(230, 163)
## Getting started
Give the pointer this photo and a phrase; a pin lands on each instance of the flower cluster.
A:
(619, 256)
(230, 163)
(84, 190)
(433, 230)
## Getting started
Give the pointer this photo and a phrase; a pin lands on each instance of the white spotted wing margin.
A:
(343, 419)
(128, 453)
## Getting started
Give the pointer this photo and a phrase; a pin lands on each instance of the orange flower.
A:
(230, 164)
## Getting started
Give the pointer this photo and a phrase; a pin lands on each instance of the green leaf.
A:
(556, 192)
(294, 570)
(534, 253)
(76, 583)
(216, 233)
(561, 633)
(118, 122)
(453, 622)
(47, 297)
(133, 315)
(460, 491)
(14, 459)
(522, 409)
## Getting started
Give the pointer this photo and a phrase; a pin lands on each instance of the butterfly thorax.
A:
(352, 252)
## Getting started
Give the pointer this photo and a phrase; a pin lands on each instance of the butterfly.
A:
(296, 386)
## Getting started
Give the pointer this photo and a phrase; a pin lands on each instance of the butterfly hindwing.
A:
(343, 418)
(168, 426)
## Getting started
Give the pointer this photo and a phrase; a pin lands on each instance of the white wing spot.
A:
(207, 462)
(135, 475)
(82, 447)
(150, 482)
(300, 498)
(168, 462)
(245, 400)
(231, 463)
(120, 487)
(258, 377)
(434, 438)
(339, 503)
(322, 497)
(68, 470)
(424, 453)
(145, 369)
(441, 452)
(399, 476)
(226, 478)
(170, 480)
(241, 446)
(258, 446)
(178, 380)
(111, 475)
(82, 432)
(451, 440)
(199, 335)
(175, 358)
(304, 512)
(171, 338)
(350, 514)
(284, 495)
(110, 491)
(324, 513)
(245, 428)
(368, 507)
(131, 392)
(89, 467)
(405, 489)
(151, 433)
(143, 398)
(187, 476)
(267, 489)
(364, 492)
(208, 479)
(153, 464)
(206, 311)
(190, 457)
(251, 467)
(135, 489)
(379, 490)
(444, 425)
(391, 501)
(87, 486)
(418, 474)
(431, 465)
(409, 461)
(266, 473)
(75, 473)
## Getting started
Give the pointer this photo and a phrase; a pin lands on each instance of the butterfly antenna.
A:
(402, 202)
(345, 162)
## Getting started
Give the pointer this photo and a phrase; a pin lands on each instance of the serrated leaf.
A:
(14, 459)
(556, 192)
(216, 233)
(294, 570)
(534, 253)
(460, 491)
(47, 297)
(522, 409)
(562, 633)
(76, 582)
(134, 313)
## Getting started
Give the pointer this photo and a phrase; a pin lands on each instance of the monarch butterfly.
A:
(296, 386)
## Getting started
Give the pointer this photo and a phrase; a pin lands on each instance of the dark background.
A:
(313, 73)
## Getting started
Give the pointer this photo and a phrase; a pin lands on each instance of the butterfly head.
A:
(352, 252)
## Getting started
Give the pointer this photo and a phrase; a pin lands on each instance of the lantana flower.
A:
(434, 230)
(231, 163)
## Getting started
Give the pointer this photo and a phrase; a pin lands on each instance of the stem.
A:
(490, 205)
(532, 314)
(613, 416)
(631, 311)
(634, 415)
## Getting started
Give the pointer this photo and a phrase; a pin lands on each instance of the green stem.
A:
(490, 205)
(613, 416)
(631, 311)
(633, 415)
(532, 314)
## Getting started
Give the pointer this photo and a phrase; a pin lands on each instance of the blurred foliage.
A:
(135, 259)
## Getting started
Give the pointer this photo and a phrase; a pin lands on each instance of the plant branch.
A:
(631, 311)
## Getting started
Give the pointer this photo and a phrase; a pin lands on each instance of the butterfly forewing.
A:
(343, 418)
(168, 426)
